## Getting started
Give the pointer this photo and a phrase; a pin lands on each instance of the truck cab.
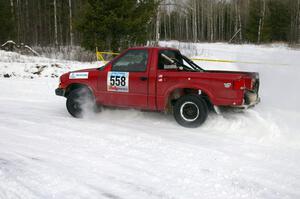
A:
(158, 79)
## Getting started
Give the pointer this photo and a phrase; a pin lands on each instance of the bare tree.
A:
(12, 8)
(261, 21)
(71, 23)
(157, 27)
(194, 27)
(298, 14)
(55, 23)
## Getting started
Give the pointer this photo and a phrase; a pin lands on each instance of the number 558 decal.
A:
(117, 81)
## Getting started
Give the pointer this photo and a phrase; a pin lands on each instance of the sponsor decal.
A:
(79, 75)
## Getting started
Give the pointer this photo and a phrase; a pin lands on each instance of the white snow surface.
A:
(120, 154)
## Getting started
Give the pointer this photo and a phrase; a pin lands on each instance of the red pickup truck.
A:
(158, 79)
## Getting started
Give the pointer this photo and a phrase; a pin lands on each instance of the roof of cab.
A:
(151, 47)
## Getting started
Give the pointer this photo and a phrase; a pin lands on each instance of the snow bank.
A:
(16, 65)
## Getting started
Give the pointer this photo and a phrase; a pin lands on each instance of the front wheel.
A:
(79, 101)
(190, 111)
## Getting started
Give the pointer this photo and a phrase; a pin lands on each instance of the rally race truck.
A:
(158, 79)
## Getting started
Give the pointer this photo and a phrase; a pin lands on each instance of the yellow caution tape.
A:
(214, 60)
(232, 61)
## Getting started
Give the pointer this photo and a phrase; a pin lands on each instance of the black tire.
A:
(79, 100)
(190, 111)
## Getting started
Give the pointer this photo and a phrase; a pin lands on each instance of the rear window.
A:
(171, 54)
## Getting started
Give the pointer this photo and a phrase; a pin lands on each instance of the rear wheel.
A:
(80, 100)
(190, 111)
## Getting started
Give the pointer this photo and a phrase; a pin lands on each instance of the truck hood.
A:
(64, 77)
(85, 70)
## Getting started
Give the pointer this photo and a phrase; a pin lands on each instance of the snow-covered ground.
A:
(118, 154)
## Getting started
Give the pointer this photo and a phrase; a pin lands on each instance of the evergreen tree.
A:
(111, 24)
(6, 22)
(279, 20)
(255, 20)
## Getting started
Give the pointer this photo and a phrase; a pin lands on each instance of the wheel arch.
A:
(175, 93)
(74, 86)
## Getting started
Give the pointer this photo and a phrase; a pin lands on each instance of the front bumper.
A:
(60, 92)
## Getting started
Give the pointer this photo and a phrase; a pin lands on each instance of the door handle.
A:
(143, 78)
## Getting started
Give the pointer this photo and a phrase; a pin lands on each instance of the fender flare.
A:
(78, 85)
(187, 86)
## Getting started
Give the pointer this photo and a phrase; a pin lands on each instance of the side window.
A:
(132, 61)
(162, 62)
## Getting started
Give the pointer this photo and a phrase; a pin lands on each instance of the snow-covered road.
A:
(120, 154)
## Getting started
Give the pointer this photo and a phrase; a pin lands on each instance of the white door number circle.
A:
(117, 81)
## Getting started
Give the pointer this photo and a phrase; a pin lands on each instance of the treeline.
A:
(40, 22)
(255, 21)
(110, 24)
